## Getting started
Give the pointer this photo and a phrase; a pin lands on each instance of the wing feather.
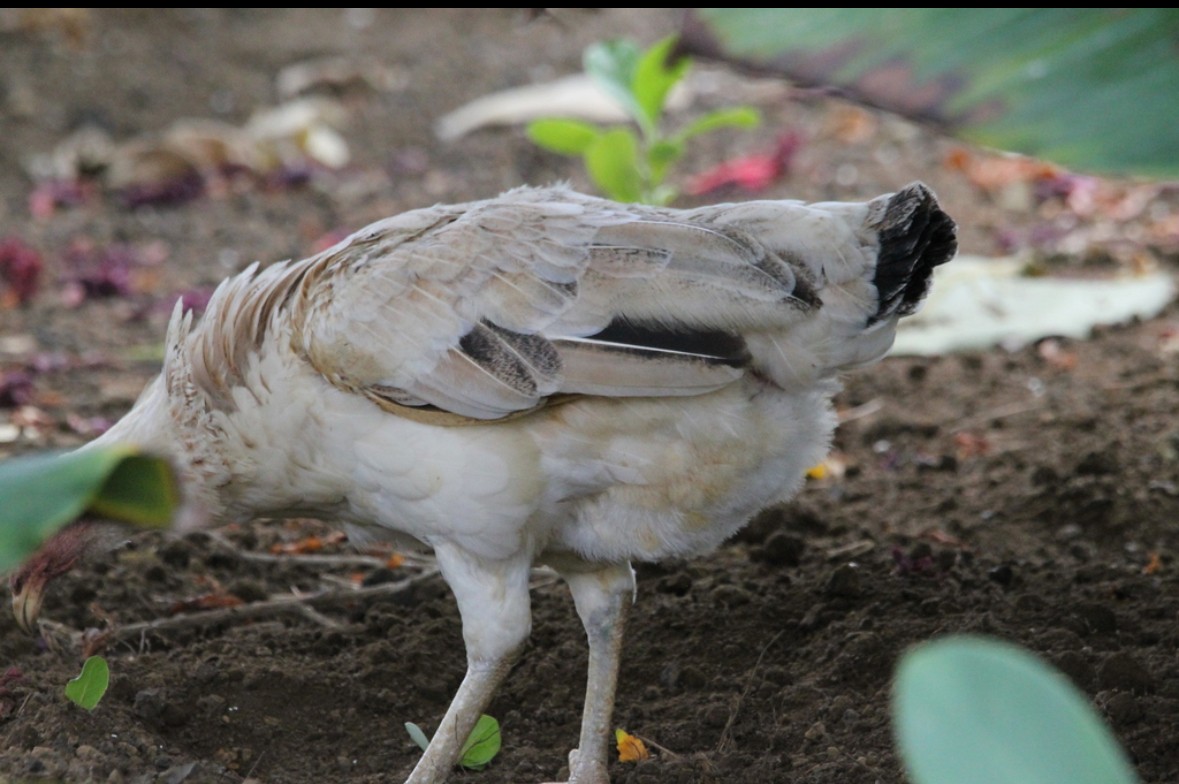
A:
(488, 309)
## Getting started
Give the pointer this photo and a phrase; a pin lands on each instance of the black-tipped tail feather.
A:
(915, 236)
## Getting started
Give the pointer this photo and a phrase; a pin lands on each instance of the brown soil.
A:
(1031, 495)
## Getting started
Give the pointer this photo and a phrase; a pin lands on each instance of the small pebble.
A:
(845, 581)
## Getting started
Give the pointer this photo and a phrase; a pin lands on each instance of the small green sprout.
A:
(87, 689)
(627, 166)
(480, 748)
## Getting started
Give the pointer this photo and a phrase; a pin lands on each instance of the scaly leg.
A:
(602, 598)
(493, 601)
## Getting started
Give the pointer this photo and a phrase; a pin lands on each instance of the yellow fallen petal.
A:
(630, 748)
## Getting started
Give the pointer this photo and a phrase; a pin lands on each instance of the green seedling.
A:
(970, 710)
(87, 689)
(629, 166)
(480, 748)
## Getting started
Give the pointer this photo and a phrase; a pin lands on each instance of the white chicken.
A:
(539, 377)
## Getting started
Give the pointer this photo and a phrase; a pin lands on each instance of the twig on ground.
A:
(726, 736)
(663, 749)
(998, 412)
(303, 605)
(315, 559)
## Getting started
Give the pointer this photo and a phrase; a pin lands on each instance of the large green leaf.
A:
(41, 494)
(969, 710)
(1093, 89)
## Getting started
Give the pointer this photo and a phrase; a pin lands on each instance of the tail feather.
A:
(915, 236)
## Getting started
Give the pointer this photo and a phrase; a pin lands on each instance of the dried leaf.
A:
(630, 748)
(336, 76)
(941, 537)
(970, 444)
(298, 130)
(310, 544)
(95, 641)
(995, 172)
(577, 96)
(48, 196)
(851, 124)
(1154, 565)
(101, 271)
(150, 172)
(213, 147)
(833, 466)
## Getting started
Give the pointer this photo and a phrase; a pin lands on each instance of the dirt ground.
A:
(1030, 494)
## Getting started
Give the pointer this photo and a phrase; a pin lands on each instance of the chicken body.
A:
(540, 377)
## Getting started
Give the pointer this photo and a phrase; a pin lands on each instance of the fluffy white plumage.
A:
(539, 377)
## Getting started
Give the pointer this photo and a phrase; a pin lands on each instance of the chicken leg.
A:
(494, 604)
(602, 598)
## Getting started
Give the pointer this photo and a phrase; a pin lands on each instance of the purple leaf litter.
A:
(20, 268)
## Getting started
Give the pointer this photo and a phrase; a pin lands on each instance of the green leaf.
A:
(737, 117)
(482, 744)
(661, 155)
(416, 734)
(654, 77)
(612, 64)
(41, 494)
(970, 710)
(87, 689)
(613, 163)
(1089, 88)
(568, 137)
(480, 747)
